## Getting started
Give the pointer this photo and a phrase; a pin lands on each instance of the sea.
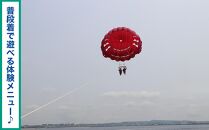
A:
(163, 127)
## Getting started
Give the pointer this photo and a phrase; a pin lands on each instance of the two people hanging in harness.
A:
(122, 69)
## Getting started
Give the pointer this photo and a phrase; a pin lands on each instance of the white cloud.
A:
(130, 103)
(132, 94)
(147, 103)
(138, 104)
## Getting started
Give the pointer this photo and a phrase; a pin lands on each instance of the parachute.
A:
(121, 44)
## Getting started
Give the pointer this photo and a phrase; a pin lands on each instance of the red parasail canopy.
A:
(121, 44)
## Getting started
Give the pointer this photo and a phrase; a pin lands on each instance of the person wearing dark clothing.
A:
(120, 70)
(124, 69)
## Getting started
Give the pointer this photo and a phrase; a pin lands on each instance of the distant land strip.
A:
(128, 123)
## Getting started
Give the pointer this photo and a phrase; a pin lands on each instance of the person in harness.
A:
(124, 69)
(120, 70)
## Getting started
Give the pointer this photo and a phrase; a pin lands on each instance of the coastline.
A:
(131, 123)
